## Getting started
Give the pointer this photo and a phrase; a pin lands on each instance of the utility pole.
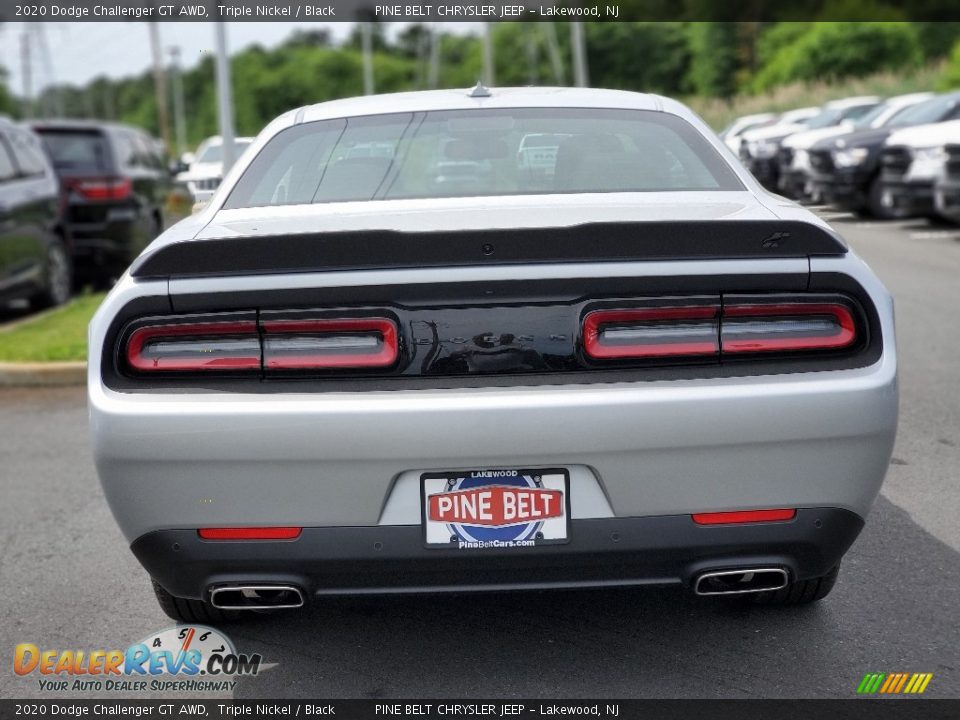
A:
(489, 78)
(533, 54)
(160, 84)
(26, 75)
(366, 41)
(553, 52)
(577, 40)
(224, 97)
(176, 81)
(433, 74)
(56, 91)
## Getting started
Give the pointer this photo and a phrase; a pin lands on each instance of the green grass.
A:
(55, 336)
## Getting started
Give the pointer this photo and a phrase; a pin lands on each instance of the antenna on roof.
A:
(480, 90)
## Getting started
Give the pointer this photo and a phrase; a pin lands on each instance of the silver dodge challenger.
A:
(495, 339)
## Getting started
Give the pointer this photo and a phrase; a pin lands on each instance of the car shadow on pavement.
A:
(894, 609)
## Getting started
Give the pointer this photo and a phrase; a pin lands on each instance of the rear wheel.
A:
(57, 278)
(799, 592)
(190, 610)
(875, 205)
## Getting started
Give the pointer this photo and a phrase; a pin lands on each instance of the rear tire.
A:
(799, 592)
(875, 205)
(57, 278)
(190, 610)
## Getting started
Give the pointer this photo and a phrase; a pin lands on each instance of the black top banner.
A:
(460, 11)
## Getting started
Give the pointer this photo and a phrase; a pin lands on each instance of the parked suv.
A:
(911, 162)
(845, 170)
(795, 170)
(34, 254)
(204, 174)
(115, 183)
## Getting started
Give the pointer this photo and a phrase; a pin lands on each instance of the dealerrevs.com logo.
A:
(187, 658)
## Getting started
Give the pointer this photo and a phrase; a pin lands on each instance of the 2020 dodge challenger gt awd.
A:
(500, 339)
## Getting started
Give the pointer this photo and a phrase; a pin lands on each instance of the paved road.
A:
(69, 581)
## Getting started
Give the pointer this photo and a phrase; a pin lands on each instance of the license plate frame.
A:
(538, 486)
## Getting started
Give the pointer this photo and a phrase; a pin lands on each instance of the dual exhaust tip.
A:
(740, 582)
(256, 597)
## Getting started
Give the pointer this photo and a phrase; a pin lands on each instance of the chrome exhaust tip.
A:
(739, 582)
(256, 597)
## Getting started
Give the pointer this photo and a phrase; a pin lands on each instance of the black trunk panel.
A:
(387, 249)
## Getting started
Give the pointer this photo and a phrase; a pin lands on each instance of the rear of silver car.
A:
(345, 378)
(492, 374)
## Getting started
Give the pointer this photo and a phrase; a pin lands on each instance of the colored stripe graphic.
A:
(894, 683)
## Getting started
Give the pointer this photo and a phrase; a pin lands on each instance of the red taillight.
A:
(250, 533)
(741, 517)
(111, 188)
(745, 325)
(203, 346)
(322, 344)
(653, 332)
(786, 327)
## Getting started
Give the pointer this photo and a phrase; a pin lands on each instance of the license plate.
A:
(495, 509)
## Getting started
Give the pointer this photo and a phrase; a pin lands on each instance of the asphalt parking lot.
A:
(70, 582)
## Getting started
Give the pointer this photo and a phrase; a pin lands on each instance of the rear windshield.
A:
(76, 151)
(481, 153)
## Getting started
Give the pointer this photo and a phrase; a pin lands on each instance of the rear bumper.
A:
(111, 244)
(667, 550)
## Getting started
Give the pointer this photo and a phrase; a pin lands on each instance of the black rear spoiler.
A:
(390, 249)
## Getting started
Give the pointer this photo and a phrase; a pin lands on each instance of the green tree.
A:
(642, 56)
(714, 66)
(8, 105)
(834, 50)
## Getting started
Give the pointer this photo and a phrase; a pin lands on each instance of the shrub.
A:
(950, 80)
(834, 50)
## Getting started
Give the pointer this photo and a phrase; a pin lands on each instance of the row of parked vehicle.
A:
(892, 158)
(78, 201)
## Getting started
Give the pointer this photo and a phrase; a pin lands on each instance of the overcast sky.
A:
(82, 51)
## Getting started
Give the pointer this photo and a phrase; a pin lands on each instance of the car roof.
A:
(462, 99)
(71, 124)
(800, 114)
(852, 102)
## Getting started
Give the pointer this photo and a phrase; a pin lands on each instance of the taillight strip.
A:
(653, 332)
(250, 533)
(750, 328)
(320, 344)
(204, 346)
(743, 517)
